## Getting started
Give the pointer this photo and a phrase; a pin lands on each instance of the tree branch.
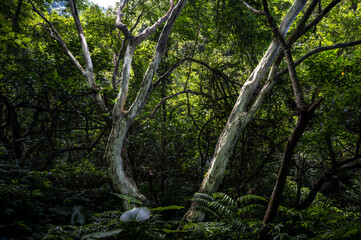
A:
(256, 11)
(88, 62)
(137, 22)
(147, 84)
(148, 31)
(173, 95)
(297, 90)
(116, 66)
(321, 49)
(343, 166)
(179, 62)
(58, 38)
(301, 27)
(319, 17)
(299, 31)
(118, 21)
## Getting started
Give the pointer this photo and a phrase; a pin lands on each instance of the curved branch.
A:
(148, 31)
(147, 83)
(297, 90)
(58, 38)
(86, 53)
(118, 21)
(255, 11)
(173, 95)
(320, 49)
(88, 62)
(117, 60)
(137, 22)
(323, 13)
(299, 31)
(343, 166)
(179, 62)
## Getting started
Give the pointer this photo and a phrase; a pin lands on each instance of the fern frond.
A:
(250, 209)
(246, 225)
(202, 202)
(239, 224)
(206, 210)
(290, 212)
(205, 196)
(250, 198)
(224, 198)
(221, 209)
(128, 198)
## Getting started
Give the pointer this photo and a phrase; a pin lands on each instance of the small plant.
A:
(240, 217)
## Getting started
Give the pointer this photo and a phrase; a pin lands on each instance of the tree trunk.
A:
(119, 171)
(290, 146)
(241, 116)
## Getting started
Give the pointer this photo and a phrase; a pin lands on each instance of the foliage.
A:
(52, 136)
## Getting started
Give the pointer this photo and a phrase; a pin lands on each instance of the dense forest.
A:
(178, 119)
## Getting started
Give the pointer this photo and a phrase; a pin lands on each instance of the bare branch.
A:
(297, 90)
(84, 45)
(170, 70)
(147, 83)
(256, 11)
(116, 67)
(321, 49)
(148, 31)
(179, 62)
(321, 15)
(343, 166)
(137, 22)
(119, 23)
(86, 53)
(58, 38)
(301, 27)
(174, 95)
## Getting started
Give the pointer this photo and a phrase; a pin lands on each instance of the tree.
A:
(119, 171)
(243, 111)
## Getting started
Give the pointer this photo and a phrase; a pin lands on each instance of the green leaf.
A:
(170, 230)
(18, 41)
(98, 235)
(128, 198)
(26, 40)
(55, 74)
(172, 207)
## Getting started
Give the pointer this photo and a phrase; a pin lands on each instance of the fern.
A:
(241, 216)
(206, 210)
(250, 198)
(204, 196)
(128, 198)
(250, 209)
(224, 198)
(220, 208)
(221, 204)
(289, 212)
(202, 201)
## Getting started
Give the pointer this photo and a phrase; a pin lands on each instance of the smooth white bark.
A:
(240, 116)
(118, 172)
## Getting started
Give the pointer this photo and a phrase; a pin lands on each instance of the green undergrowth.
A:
(75, 202)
